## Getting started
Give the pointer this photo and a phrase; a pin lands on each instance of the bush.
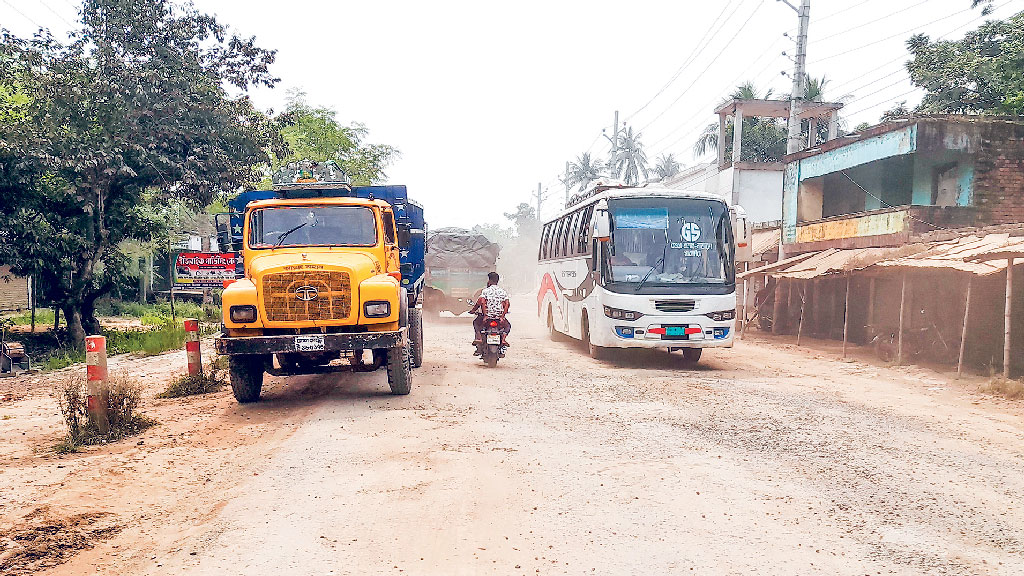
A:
(123, 401)
(44, 317)
(1012, 389)
(212, 379)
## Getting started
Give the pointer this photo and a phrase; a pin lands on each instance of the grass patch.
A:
(123, 402)
(44, 317)
(162, 310)
(212, 379)
(1012, 389)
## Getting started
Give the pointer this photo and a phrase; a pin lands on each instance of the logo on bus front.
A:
(691, 232)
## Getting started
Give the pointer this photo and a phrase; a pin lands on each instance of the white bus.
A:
(642, 268)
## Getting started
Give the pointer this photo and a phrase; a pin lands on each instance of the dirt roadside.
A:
(766, 459)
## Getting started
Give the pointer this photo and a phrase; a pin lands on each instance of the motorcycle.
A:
(490, 349)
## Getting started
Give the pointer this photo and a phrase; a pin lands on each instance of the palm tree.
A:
(583, 171)
(666, 166)
(630, 160)
(764, 139)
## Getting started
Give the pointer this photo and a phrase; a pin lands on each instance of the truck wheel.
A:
(692, 355)
(400, 370)
(246, 377)
(416, 336)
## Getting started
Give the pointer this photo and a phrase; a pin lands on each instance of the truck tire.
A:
(400, 370)
(416, 336)
(246, 377)
(403, 308)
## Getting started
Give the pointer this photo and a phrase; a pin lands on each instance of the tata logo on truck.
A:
(306, 293)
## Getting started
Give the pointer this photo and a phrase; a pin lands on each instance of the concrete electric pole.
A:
(795, 142)
(540, 199)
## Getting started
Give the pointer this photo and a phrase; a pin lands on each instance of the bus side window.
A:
(574, 237)
(564, 244)
(541, 255)
(560, 239)
(588, 214)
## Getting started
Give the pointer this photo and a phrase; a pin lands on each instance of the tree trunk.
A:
(88, 309)
(73, 318)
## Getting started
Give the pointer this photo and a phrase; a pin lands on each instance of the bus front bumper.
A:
(661, 337)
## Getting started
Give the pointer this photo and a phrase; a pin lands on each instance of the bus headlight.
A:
(617, 314)
(722, 316)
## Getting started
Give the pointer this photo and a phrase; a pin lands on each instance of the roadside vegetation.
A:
(212, 379)
(1005, 387)
(124, 401)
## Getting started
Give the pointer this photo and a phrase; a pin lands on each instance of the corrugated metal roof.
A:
(955, 255)
(971, 254)
(765, 240)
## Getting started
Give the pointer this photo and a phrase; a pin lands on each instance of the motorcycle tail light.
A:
(494, 323)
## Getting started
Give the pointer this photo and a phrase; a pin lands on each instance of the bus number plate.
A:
(309, 343)
(675, 331)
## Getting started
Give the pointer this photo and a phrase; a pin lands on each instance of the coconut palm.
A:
(666, 166)
(630, 160)
(583, 171)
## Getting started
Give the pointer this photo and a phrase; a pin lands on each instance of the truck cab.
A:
(322, 281)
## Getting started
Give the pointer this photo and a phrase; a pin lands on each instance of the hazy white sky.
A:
(486, 99)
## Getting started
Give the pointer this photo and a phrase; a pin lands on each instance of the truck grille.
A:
(290, 296)
(674, 305)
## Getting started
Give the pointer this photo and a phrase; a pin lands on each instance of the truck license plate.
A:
(309, 343)
(494, 339)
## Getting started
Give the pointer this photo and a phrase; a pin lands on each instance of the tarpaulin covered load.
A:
(461, 250)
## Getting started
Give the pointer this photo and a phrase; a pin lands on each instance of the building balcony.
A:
(876, 228)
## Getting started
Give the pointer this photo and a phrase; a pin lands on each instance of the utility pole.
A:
(567, 183)
(795, 142)
(539, 199)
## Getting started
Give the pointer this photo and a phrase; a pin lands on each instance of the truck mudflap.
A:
(308, 342)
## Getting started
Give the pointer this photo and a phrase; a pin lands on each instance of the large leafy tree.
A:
(630, 159)
(582, 171)
(981, 73)
(314, 133)
(144, 103)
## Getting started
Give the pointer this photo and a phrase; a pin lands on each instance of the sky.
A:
(486, 100)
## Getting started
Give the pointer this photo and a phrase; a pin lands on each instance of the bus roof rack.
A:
(594, 188)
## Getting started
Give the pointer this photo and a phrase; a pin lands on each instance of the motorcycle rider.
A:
(492, 303)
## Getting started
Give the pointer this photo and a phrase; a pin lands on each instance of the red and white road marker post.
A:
(97, 392)
(192, 353)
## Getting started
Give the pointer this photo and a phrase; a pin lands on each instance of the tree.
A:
(525, 221)
(146, 98)
(983, 73)
(764, 139)
(630, 160)
(582, 172)
(666, 166)
(313, 133)
(900, 110)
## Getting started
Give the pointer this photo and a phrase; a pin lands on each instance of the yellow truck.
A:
(322, 281)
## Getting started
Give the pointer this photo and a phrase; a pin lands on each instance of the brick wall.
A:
(13, 291)
(999, 173)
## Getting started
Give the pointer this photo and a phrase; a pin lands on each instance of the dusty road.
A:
(766, 460)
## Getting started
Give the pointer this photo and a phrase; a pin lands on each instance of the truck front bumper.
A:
(287, 343)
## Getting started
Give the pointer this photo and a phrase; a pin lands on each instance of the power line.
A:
(697, 50)
(888, 205)
(23, 15)
(870, 22)
(843, 11)
(47, 6)
(710, 64)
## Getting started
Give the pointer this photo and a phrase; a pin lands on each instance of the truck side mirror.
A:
(404, 236)
(602, 225)
(405, 269)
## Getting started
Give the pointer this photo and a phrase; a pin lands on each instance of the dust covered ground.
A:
(765, 459)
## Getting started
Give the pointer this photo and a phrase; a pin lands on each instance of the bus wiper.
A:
(660, 262)
(285, 235)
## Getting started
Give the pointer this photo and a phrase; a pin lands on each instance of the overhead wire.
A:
(698, 49)
(23, 15)
(55, 13)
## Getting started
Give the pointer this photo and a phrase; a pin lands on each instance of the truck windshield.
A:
(670, 242)
(312, 226)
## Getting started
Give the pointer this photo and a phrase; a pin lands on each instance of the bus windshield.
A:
(670, 242)
(312, 226)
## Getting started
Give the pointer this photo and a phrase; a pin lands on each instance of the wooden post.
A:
(1007, 321)
(777, 307)
(97, 394)
(170, 276)
(899, 339)
(32, 300)
(846, 315)
(963, 333)
(800, 327)
(743, 322)
(871, 303)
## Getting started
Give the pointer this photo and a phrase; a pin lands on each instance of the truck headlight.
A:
(243, 314)
(722, 316)
(618, 314)
(377, 309)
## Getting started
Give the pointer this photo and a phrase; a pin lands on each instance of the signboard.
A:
(204, 269)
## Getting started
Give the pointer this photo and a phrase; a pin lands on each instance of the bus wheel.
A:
(552, 332)
(596, 352)
(692, 355)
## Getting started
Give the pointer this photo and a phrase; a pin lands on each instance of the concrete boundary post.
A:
(97, 393)
(192, 352)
